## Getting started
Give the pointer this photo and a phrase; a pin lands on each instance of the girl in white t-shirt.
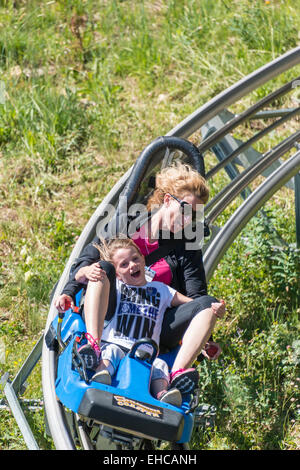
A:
(139, 314)
(140, 309)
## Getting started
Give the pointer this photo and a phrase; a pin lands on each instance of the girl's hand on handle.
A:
(63, 303)
(211, 350)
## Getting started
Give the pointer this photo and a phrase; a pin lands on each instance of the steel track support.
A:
(12, 390)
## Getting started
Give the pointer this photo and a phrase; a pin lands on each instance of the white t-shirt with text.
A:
(139, 313)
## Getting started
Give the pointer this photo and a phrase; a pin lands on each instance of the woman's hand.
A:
(92, 273)
(218, 308)
(63, 303)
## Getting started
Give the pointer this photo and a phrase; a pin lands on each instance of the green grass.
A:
(87, 86)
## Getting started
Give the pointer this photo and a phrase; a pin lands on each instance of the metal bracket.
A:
(297, 202)
(12, 390)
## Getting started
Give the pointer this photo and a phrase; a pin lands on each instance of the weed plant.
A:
(256, 382)
(85, 86)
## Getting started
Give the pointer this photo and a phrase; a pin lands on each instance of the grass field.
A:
(84, 87)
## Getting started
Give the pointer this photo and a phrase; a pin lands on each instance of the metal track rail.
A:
(246, 115)
(251, 141)
(248, 209)
(217, 204)
(56, 418)
(224, 99)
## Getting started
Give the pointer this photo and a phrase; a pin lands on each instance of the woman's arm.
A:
(89, 255)
(192, 273)
(92, 273)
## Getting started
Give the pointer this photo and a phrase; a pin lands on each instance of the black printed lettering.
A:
(148, 328)
(124, 324)
(155, 300)
(136, 333)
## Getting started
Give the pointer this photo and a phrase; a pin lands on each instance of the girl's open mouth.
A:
(136, 274)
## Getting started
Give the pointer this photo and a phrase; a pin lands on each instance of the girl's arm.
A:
(179, 299)
(218, 308)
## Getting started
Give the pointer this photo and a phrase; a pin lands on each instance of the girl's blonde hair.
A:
(107, 249)
(178, 179)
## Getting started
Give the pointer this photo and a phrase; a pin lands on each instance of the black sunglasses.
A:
(184, 203)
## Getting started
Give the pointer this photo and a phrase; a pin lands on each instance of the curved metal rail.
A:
(224, 99)
(251, 141)
(243, 214)
(233, 189)
(55, 413)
